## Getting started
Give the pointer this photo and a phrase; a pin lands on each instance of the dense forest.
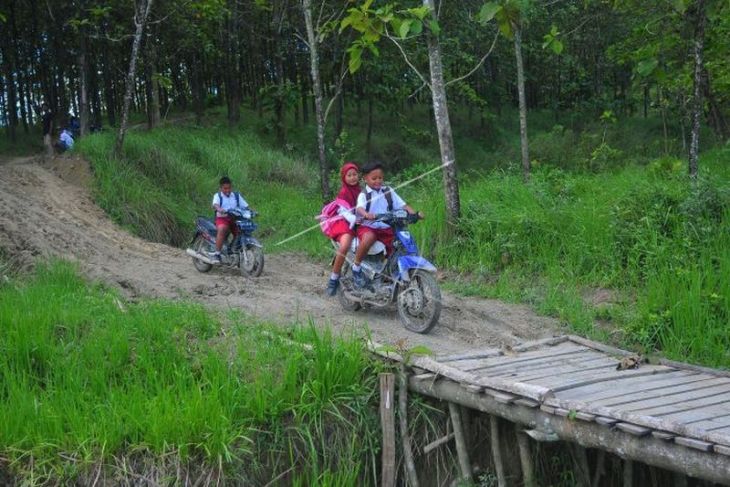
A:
(296, 61)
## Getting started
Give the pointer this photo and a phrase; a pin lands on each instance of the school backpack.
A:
(330, 215)
(388, 198)
(220, 201)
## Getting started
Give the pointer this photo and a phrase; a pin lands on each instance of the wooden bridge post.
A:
(628, 473)
(461, 449)
(680, 480)
(580, 456)
(497, 451)
(387, 422)
(528, 469)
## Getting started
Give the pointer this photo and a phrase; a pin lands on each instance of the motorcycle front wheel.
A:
(419, 303)
(251, 261)
(201, 246)
(346, 281)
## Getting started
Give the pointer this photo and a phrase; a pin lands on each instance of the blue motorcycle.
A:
(243, 252)
(404, 278)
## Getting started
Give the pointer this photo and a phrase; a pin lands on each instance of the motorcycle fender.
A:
(198, 234)
(251, 242)
(408, 262)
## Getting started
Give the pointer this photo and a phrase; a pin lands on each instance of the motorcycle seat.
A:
(377, 248)
(207, 225)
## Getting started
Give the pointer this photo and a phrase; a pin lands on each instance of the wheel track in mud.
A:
(47, 211)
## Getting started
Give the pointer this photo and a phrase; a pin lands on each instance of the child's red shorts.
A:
(228, 222)
(340, 228)
(385, 235)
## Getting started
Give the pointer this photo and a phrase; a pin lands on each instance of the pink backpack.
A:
(329, 216)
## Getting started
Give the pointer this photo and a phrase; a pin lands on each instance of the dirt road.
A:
(46, 210)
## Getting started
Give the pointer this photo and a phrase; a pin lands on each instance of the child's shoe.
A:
(332, 286)
(359, 279)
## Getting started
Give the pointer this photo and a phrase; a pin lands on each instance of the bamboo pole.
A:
(403, 421)
(581, 461)
(528, 468)
(497, 451)
(628, 473)
(461, 450)
(600, 468)
(387, 421)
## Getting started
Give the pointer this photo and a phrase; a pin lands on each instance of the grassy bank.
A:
(638, 255)
(92, 386)
(607, 236)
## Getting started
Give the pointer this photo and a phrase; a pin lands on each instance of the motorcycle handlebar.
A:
(391, 217)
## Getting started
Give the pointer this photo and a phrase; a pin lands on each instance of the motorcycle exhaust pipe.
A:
(201, 257)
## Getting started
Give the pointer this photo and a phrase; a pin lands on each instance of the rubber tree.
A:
(699, 17)
(313, 42)
(509, 16)
(395, 24)
(142, 11)
(443, 123)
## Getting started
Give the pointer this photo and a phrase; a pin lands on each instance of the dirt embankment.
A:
(46, 209)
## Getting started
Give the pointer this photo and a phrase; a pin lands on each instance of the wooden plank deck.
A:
(577, 379)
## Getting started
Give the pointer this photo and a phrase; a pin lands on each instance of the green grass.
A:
(87, 379)
(24, 145)
(660, 243)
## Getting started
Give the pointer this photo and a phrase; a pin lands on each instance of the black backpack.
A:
(386, 193)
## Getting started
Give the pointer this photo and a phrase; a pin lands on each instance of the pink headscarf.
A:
(347, 192)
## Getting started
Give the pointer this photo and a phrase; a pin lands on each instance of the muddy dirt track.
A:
(46, 210)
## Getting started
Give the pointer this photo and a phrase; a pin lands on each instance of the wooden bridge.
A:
(670, 415)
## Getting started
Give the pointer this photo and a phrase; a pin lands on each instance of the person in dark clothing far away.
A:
(47, 121)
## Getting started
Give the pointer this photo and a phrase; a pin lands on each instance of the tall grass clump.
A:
(168, 176)
(91, 386)
(660, 242)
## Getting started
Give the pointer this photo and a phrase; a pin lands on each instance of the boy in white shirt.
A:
(225, 200)
(375, 200)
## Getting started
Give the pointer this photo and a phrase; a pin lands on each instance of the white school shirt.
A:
(228, 202)
(378, 205)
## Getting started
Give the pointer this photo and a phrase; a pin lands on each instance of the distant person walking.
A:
(47, 120)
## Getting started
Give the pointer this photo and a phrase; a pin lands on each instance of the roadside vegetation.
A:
(92, 387)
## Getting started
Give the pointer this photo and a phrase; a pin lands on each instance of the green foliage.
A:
(89, 378)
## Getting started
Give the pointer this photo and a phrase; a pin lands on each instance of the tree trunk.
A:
(83, 65)
(142, 10)
(12, 102)
(232, 76)
(369, 136)
(318, 108)
(443, 125)
(107, 73)
(198, 88)
(152, 87)
(715, 115)
(699, 38)
(523, 104)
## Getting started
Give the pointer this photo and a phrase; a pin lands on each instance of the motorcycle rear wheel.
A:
(201, 246)
(253, 263)
(419, 304)
(345, 280)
